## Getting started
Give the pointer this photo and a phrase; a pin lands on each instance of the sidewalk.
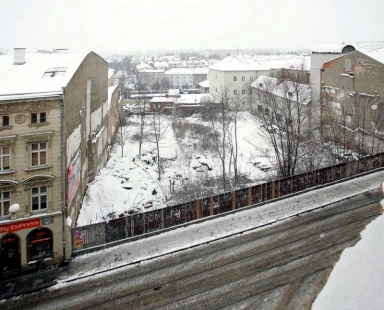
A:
(193, 235)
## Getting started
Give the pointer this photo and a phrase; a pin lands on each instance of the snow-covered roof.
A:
(192, 98)
(162, 99)
(204, 84)
(143, 65)
(374, 50)
(328, 49)
(187, 71)
(151, 70)
(110, 72)
(238, 63)
(42, 75)
(376, 54)
(160, 64)
(283, 88)
(173, 92)
(111, 90)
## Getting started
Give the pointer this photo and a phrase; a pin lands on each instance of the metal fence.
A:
(125, 227)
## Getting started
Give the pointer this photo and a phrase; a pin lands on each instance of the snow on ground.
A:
(128, 185)
(357, 280)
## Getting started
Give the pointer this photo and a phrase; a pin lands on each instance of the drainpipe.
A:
(63, 213)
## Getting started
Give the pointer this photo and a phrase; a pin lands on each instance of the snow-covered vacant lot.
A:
(127, 184)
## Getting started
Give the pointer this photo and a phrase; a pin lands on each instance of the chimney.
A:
(19, 56)
(60, 51)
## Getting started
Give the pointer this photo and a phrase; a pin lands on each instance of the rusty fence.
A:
(95, 235)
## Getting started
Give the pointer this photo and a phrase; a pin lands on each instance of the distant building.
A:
(204, 87)
(185, 78)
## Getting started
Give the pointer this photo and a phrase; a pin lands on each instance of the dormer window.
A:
(57, 71)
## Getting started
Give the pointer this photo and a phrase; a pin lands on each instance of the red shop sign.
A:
(19, 226)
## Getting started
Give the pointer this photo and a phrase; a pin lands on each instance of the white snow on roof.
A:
(377, 54)
(204, 84)
(27, 81)
(282, 88)
(111, 90)
(151, 70)
(160, 64)
(143, 65)
(328, 49)
(238, 63)
(263, 62)
(162, 99)
(110, 72)
(174, 92)
(187, 71)
(192, 98)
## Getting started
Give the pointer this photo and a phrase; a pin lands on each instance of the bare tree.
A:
(217, 110)
(120, 122)
(158, 127)
(289, 119)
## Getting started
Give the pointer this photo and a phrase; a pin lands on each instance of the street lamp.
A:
(13, 209)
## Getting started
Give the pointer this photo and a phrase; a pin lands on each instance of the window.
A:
(39, 198)
(38, 154)
(4, 158)
(51, 72)
(251, 78)
(5, 202)
(250, 91)
(39, 242)
(243, 91)
(235, 91)
(267, 111)
(260, 108)
(243, 78)
(278, 117)
(235, 78)
(5, 119)
(38, 117)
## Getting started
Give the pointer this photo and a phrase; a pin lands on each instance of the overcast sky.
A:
(126, 25)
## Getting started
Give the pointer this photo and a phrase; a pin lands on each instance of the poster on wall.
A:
(74, 169)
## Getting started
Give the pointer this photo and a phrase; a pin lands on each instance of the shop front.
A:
(30, 244)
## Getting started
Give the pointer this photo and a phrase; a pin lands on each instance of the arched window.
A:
(39, 242)
(9, 254)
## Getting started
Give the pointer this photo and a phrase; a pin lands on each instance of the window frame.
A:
(235, 78)
(38, 151)
(39, 195)
(2, 156)
(38, 117)
(2, 201)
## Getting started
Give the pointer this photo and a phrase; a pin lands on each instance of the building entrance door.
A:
(10, 254)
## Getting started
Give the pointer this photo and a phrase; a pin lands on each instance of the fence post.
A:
(233, 200)
(273, 190)
(249, 195)
(132, 227)
(198, 209)
(127, 222)
(162, 218)
(211, 205)
(261, 192)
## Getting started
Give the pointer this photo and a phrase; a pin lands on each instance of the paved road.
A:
(282, 265)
